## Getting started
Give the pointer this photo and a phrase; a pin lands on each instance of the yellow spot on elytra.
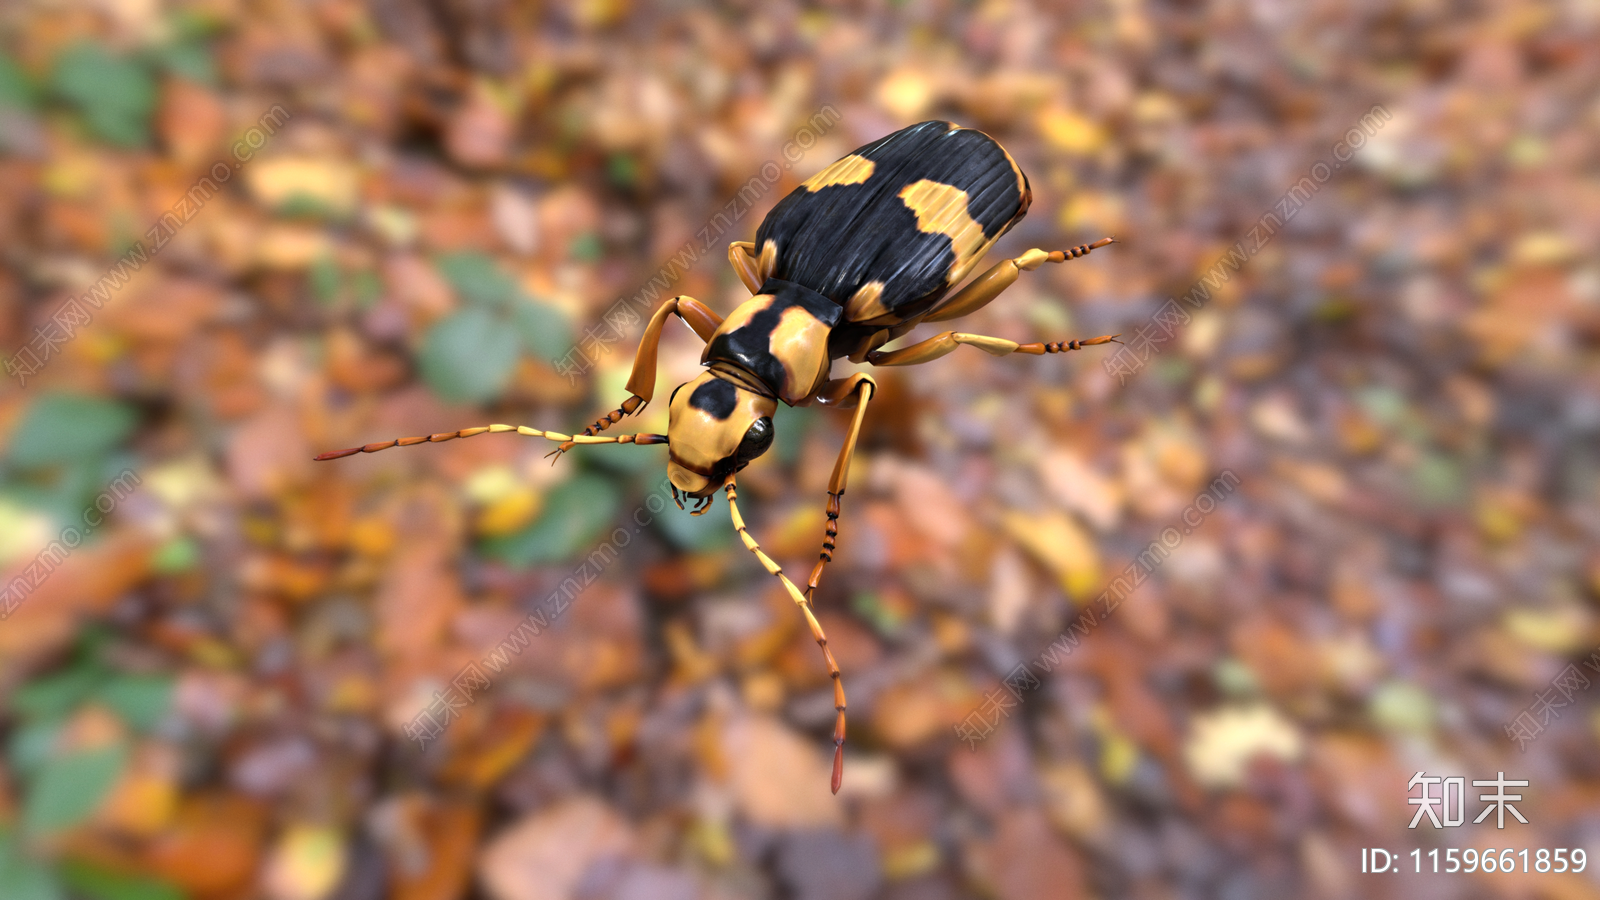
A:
(942, 209)
(866, 303)
(849, 170)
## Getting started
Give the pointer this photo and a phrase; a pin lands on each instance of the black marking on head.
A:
(715, 397)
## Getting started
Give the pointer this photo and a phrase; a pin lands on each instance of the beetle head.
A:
(715, 428)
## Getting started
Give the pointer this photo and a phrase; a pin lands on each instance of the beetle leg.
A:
(939, 345)
(752, 268)
(801, 601)
(495, 429)
(857, 391)
(642, 381)
(979, 291)
(742, 256)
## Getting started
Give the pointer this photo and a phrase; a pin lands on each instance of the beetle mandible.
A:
(855, 257)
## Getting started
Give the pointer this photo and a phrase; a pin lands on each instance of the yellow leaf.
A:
(905, 93)
(307, 863)
(1559, 630)
(1069, 132)
(1223, 742)
(1057, 542)
(328, 183)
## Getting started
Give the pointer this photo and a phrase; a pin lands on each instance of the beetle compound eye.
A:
(757, 440)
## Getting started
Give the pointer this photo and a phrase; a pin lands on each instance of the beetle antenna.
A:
(496, 429)
(811, 620)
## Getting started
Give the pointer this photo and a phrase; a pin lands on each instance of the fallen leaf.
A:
(1061, 545)
(544, 855)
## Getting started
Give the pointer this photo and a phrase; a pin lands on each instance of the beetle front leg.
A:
(642, 381)
(857, 391)
(1002, 275)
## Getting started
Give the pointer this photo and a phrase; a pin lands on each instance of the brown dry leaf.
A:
(1276, 654)
(544, 855)
(780, 779)
(268, 453)
(287, 247)
(1026, 861)
(928, 505)
(1322, 482)
(479, 134)
(913, 711)
(214, 847)
(1081, 488)
(419, 596)
(450, 833)
(191, 120)
(1011, 585)
(86, 583)
(1074, 802)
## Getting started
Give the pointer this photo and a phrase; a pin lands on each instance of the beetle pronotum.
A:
(858, 255)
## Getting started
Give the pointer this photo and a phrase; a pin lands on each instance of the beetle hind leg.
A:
(979, 291)
(939, 345)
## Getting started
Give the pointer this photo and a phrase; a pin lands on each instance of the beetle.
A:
(855, 257)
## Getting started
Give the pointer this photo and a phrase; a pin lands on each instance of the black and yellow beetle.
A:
(858, 255)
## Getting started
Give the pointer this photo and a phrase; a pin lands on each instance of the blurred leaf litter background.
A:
(1349, 455)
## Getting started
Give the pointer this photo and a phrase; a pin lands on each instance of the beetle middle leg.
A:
(1002, 275)
(938, 345)
(642, 381)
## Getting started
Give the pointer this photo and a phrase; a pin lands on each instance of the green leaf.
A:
(545, 332)
(103, 884)
(56, 695)
(1438, 480)
(24, 878)
(325, 279)
(177, 555)
(189, 59)
(366, 287)
(115, 95)
(69, 787)
(619, 459)
(587, 247)
(141, 700)
(708, 531)
(69, 427)
(16, 89)
(30, 745)
(468, 356)
(477, 279)
(577, 515)
(790, 424)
